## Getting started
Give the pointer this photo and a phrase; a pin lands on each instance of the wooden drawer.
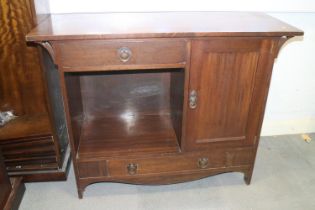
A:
(180, 163)
(92, 169)
(159, 165)
(167, 164)
(122, 54)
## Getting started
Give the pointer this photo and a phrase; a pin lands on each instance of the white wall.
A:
(66, 6)
(291, 102)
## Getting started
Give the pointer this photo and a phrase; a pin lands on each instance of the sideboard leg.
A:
(248, 176)
(80, 192)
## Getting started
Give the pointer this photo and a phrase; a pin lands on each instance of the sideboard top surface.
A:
(159, 25)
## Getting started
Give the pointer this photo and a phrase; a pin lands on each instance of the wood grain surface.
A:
(224, 82)
(5, 184)
(159, 24)
(27, 141)
(100, 55)
(21, 86)
(136, 123)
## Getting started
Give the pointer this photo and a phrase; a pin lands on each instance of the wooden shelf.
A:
(127, 135)
(26, 126)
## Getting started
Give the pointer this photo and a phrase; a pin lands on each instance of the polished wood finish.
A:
(164, 97)
(177, 163)
(59, 174)
(224, 81)
(16, 195)
(31, 147)
(159, 25)
(31, 126)
(147, 134)
(5, 185)
(104, 55)
(20, 73)
(147, 94)
(11, 190)
(29, 142)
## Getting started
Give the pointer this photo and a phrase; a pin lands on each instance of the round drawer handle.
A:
(203, 162)
(132, 168)
(124, 54)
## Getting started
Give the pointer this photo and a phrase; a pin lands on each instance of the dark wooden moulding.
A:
(34, 145)
(163, 97)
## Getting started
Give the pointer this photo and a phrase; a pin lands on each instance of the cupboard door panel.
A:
(222, 75)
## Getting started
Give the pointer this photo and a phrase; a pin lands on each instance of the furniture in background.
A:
(11, 190)
(160, 98)
(32, 146)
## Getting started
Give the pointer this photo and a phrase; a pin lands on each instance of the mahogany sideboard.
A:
(159, 98)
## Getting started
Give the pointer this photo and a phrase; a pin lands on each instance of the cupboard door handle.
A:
(124, 54)
(203, 162)
(193, 99)
(132, 168)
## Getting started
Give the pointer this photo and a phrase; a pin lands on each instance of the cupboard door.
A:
(220, 91)
(5, 185)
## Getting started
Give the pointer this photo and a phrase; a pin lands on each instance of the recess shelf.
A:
(127, 135)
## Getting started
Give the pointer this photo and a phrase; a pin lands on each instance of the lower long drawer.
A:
(180, 162)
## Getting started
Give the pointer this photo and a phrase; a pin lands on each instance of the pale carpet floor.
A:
(283, 179)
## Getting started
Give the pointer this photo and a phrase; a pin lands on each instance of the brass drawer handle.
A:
(203, 162)
(193, 99)
(132, 168)
(124, 54)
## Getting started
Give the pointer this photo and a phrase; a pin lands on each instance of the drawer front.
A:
(92, 169)
(180, 163)
(123, 54)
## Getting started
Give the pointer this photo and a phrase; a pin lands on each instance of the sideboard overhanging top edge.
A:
(159, 25)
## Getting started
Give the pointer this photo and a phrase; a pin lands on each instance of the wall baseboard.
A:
(281, 127)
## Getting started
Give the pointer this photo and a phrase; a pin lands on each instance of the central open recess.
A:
(126, 112)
